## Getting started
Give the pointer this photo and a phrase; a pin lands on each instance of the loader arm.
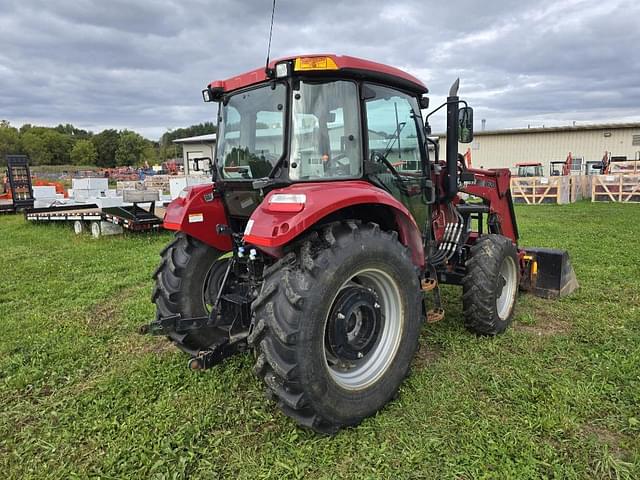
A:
(545, 272)
(493, 187)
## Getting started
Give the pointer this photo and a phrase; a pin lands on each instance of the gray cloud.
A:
(141, 64)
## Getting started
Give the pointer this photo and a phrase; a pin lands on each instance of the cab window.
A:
(392, 128)
(325, 131)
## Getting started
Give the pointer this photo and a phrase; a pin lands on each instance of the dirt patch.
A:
(142, 344)
(104, 312)
(607, 437)
(547, 323)
(427, 355)
(545, 329)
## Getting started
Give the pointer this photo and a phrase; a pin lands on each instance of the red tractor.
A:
(327, 230)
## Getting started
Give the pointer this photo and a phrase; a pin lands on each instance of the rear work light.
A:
(314, 63)
(207, 96)
(282, 70)
(286, 202)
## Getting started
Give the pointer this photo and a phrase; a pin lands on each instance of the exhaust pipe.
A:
(452, 141)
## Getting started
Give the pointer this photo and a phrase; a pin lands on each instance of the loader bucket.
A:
(548, 273)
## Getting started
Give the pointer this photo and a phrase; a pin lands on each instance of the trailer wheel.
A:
(337, 325)
(187, 281)
(78, 227)
(490, 286)
(96, 231)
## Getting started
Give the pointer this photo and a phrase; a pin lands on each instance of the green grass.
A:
(83, 395)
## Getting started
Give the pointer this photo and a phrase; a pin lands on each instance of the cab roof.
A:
(343, 66)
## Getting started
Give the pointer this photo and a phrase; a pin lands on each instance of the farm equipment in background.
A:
(37, 182)
(529, 169)
(314, 250)
(467, 158)
(121, 174)
(593, 167)
(17, 188)
(170, 167)
(620, 165)
(570, 166)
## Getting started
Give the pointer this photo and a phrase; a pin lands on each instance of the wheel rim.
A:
(508, 282)
(95, 229)
(212, 283)
(363, 329)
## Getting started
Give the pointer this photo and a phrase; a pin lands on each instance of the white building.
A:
(506, 148)
(200, 146)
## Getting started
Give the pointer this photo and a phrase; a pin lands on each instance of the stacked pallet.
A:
(157, 182)
(616, 188)
(121, 186)
(88, 188)
(539, 190)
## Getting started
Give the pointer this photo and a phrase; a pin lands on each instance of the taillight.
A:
(287, 202)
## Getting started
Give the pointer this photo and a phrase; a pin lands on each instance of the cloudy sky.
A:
(141, 64)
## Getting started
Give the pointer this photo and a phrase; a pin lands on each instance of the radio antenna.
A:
(273, 11)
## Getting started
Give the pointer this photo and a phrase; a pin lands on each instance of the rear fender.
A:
(272, 226)
(197, 214)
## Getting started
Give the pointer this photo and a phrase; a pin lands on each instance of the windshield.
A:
(530, 171)
(251, 132)
(325, 131)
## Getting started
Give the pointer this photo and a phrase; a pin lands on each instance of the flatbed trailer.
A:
(101, 221)
(7, 206)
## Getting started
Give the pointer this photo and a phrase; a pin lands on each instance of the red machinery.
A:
(171, 167)
(529, 169)
(47, 183)
(467, 158)
(559, 168)
(326, 223)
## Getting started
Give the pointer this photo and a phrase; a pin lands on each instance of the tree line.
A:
(66, 144)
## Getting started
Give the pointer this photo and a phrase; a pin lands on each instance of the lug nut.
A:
(360, 355)
(340, 316)
(376, 305)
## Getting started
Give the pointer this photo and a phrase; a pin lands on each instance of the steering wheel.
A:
(333, 165)
(269, 157)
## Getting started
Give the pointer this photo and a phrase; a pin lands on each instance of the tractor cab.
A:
(529, 170)
(319, 119)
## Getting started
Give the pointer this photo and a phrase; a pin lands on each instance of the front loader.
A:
(330, 224)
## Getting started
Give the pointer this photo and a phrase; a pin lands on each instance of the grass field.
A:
(82, 395)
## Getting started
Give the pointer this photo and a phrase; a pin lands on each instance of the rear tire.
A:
(78, 227)
(96, 231)
(490, 287)
(336, 325)
(187, 281)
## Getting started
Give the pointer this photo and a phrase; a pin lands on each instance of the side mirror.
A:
(424, 103)
(465, 125)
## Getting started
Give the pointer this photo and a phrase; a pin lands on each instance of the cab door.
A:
(395, 146)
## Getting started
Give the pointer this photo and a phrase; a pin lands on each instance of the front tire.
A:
(337, 325)
(490, 287)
